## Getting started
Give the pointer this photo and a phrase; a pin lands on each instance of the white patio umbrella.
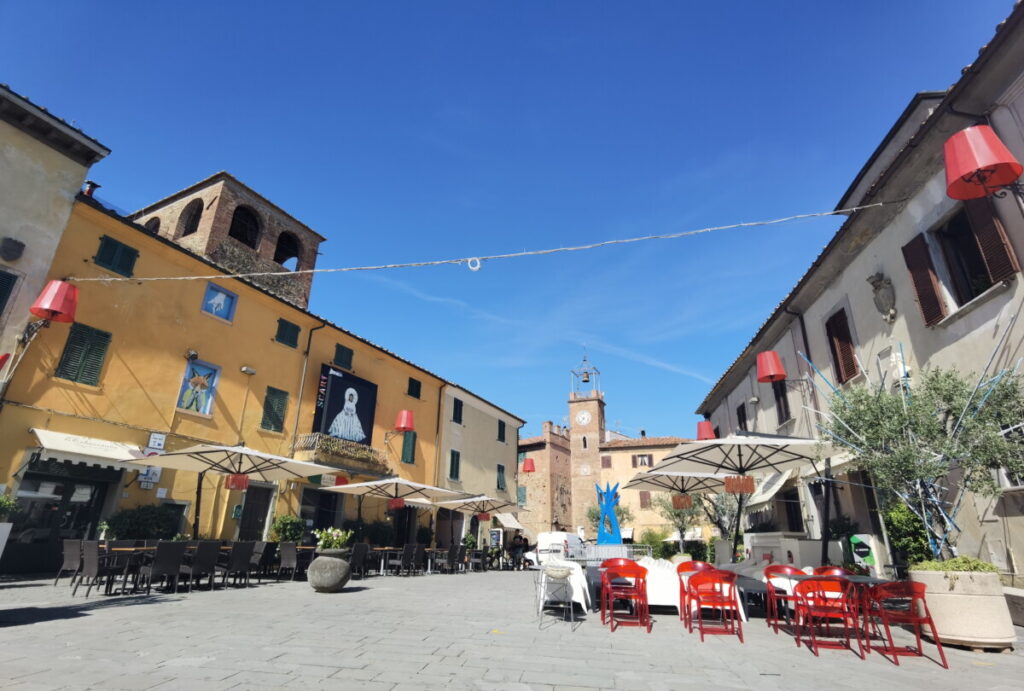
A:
(746, 454)
(231, 460)
(655, 480)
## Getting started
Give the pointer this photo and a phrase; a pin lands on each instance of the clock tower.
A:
(586, 432)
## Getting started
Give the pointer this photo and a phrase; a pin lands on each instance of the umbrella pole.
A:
(736, 531)
(199, 501)
(825, 511)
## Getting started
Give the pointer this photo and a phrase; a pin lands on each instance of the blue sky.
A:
(408, 131)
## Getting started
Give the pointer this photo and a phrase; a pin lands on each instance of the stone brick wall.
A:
(221, 195)
(549, 488)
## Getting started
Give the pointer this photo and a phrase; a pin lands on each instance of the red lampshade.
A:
(404, 421)
(705, 430)
(237, 481)
(396, 504)
(769, 367)
(978, 163)
(57, 302)
(483, 516)
(3, 359)
(528, 466)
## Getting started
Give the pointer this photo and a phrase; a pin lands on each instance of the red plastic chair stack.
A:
(715, 590)
(824, 601)
(635, 593)
(777, 596)
(900, 604)
(684, 601)
(607, 587)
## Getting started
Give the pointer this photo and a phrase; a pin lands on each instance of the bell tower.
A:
(586, 432)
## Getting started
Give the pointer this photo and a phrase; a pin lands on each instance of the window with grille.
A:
(409, 447)
(116, 256)
(342, 356)
(454, 459)
(781, 401)
(275, 405)
(840, 342)
(7, 283)
(83, 356)
(287, 333)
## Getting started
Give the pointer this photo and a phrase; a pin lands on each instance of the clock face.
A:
(583, 418)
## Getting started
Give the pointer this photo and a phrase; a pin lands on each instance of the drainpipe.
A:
(302, 383)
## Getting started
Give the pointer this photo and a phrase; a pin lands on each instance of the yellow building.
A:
(176, 363)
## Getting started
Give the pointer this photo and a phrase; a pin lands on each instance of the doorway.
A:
(254, 513)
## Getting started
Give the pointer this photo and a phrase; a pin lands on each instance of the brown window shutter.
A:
(606, 461)
(991, 238)
(645, 499)
(634, 460)
(841, 342)
(926, 284)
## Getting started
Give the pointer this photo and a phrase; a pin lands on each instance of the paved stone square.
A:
(475, 631)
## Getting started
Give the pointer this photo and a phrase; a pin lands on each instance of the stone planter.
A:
(5, 532)
(329, 572)
(968, 608)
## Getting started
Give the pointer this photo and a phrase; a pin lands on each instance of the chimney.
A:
(643, 434)
(91, 187)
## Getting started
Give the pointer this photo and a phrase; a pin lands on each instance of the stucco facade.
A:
(43, 162)
(956, 326)
(620, 461)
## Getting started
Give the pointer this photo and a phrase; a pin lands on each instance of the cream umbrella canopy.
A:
(396, 488)
(231, 460)
(655, 480)
(746, 454)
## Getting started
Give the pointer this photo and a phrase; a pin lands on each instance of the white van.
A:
(555, 543)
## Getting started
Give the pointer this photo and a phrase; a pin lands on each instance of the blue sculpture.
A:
(608, 532)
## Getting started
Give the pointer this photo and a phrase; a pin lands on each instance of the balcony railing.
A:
(341, 454)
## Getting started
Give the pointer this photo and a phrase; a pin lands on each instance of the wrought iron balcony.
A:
(341, 454)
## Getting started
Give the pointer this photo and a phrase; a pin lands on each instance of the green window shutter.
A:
(83, 356)
(457, 411)
(343, 356)
(415, 388)
(287, 333)
(501, 430)
(409, 447)
(521, 496)
(275, 404)
(116, 256)
(522, 456)
(453, 465)
(501, 476)
(7, 282)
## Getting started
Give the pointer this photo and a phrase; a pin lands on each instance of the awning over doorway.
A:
(509, 521)
(89, 450)
(767, 489)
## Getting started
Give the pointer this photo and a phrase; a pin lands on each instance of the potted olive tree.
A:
(7, 506)
(966, 601)
(927, 449)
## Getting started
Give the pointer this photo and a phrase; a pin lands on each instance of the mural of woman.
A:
(346, 424)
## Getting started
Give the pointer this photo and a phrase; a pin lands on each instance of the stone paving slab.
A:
(475, 631)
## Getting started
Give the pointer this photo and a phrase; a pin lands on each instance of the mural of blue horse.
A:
(608, 532)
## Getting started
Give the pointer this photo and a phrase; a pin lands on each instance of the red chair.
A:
(832, 571)
(825, 600)
(777, 595)
(607, 587)
(635, 593)
(715, 590)
(901, 604)
(684, 602)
